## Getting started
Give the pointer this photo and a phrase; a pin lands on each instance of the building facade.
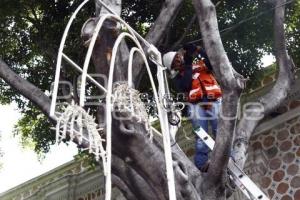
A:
(71, 181)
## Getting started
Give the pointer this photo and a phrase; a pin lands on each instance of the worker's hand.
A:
(190, 52)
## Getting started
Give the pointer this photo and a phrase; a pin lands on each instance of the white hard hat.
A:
(168, 59)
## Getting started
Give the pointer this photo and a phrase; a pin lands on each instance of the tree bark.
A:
(130, 178)
(133, 146)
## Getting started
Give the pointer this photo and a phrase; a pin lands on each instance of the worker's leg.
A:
(198, 116)
(213, 114)
(199, 119)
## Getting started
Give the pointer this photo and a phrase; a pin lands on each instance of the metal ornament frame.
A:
(163, 90)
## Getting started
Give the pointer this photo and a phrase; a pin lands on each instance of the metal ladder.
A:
(241, 180)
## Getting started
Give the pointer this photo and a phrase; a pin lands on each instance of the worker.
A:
(191, 73)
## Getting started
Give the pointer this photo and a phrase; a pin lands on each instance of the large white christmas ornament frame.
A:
(75, 113)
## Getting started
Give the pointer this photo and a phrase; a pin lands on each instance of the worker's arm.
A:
(184, 81)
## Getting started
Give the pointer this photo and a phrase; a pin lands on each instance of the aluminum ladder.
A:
(241, 180)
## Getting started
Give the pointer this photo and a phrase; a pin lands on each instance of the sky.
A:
(15, 156)
(268, 60)
(17, 160)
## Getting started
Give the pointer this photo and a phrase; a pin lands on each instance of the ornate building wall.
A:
(71, 181)
(281, 147)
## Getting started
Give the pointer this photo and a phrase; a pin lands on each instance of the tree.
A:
(138, 165)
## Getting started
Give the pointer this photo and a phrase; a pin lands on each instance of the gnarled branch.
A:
(272, 99)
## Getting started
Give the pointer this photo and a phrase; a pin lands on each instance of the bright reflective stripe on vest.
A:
(196, 66)
(213, 87)
(196, 75)
(194, 91)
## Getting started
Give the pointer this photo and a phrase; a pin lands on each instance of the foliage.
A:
(87, 158)
(251, 35)
(29, 40)
(246, 42)
(293, 32)
(140, 14)
(35, 131)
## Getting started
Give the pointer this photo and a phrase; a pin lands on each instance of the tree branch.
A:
(131, 143)
(146, 159)
(187, 175)
(275, 97)
(115, 5)
(25, 88)
(120, 183)
(161, 24)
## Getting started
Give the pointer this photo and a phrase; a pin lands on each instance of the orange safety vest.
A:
(203, 83)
